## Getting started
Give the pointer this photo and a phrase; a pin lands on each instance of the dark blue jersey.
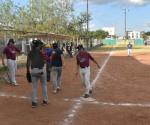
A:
(56, 58)
(129, 46)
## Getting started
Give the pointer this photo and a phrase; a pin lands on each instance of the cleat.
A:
(34, 104)
(86, 96)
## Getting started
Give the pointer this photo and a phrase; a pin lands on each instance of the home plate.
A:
(88, 99)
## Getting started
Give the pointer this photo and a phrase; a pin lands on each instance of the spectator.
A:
(69, 50)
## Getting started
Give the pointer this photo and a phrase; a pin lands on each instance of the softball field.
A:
(121, 93)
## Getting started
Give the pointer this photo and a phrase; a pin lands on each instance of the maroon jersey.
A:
(10, 51)
(83, 59)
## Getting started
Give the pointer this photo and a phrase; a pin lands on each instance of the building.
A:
(110, 30)
(133, 34)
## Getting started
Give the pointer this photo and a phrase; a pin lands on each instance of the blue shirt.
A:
(56, 58)
(48, 52)
(129, 46)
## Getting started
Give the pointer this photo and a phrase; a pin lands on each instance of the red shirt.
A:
(83, 59)
(10, 51)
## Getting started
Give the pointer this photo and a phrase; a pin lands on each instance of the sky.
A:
(110, 13)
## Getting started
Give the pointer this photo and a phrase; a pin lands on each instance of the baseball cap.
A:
(55, 45)
(11, 41)
(80, 47)
(37, 43)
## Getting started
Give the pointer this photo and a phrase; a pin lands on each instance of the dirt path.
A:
(121, 96)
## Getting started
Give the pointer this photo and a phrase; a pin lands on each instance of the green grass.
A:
(121, 48)
(3, 69)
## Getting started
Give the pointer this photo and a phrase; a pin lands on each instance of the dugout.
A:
(47, 38)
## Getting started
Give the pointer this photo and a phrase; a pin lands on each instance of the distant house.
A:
(133, 35)
(110, 30)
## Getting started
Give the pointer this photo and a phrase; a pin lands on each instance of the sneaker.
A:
(15, 84)
(90, 92)
(34, 104)
(86, 96)
(54, 91)
(58, 88)
(45, 103)
(48, 80)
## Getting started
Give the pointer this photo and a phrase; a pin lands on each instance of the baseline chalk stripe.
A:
(101, 69)
(145, 105)
(13, 96)
(83, 100)
(123, 104)
(78, 105)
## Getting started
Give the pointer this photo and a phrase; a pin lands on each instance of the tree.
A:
(39, 15)
(147, 33)
(22, 20)
(99, 34)
(52, 15)
(77, 25)
(7, 13)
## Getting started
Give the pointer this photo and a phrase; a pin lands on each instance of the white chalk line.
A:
(101, 69)
(2, 94)
(88, 100)
(144, 105)
(78, 105)
(123, 104)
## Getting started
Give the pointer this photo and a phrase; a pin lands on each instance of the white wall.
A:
(134, 35)
(110, 30)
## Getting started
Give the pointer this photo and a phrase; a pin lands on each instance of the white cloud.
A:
(127, 2)
(140, 2)
(147, 24)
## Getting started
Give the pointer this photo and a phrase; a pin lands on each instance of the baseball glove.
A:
(28, 76)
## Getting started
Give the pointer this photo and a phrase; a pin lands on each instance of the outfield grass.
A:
(122, 48)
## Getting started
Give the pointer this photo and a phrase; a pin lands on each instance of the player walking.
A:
(83, 59)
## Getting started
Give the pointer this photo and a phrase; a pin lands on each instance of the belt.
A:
(84, 67)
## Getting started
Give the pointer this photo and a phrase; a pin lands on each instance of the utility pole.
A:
(31, 4)
(87, 16)
(125, 22)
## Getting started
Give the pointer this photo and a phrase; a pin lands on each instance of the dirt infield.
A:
(121, 95)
